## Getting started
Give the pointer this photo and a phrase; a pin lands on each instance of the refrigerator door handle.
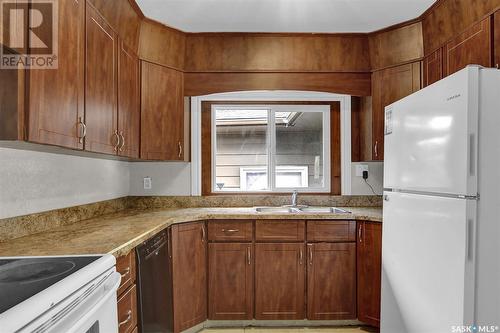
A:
(469, 236)
(472, 154)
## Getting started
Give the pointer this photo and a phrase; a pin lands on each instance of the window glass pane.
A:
(299, 150)
(241, 150)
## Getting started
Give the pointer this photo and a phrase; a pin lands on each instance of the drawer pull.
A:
(230, 230)
(129, 317)
(126, 272)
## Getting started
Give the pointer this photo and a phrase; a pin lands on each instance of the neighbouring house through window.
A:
(270, 148)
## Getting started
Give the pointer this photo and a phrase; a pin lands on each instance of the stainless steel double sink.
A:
(301, 209)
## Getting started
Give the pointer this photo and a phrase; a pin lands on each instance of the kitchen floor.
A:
(341, 329)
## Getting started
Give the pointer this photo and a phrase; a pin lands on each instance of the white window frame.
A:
(271, 145)
(271, 95)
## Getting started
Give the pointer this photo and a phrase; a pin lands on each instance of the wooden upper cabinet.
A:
(101, 85)
(129, 112)
(189, 262)
(230, 282)
(369, 262)
(388, 86)
(331, 281)
(279, 281)
(432, 70)
(162, 113)
(56, 96)
(470, 47)
(496, 39)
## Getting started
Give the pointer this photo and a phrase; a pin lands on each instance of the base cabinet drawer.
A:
(280, 230)
(331, 231)
(234, 231)
(127, 310)
(125, 265)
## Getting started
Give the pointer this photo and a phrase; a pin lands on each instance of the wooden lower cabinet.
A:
(230, 281)
(127, 293)
(279, 281)
(127, 310)
(496, 39)
(369, 266)
(331, 281)
(189, 274)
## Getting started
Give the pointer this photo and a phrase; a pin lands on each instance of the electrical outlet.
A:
(148, 183)
(360, 168)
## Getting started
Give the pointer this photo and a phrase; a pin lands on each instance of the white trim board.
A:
(277, 95)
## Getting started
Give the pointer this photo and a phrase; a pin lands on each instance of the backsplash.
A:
(15, 227)
(253, 200)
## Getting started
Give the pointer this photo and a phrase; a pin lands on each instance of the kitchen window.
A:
(270, 148)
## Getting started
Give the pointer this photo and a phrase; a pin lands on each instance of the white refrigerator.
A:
(441, 235)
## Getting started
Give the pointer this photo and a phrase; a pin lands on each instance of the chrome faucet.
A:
(295, 193)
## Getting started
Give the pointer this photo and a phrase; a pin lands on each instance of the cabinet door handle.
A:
(249, 255)
(301, 256)
(203, 233)
(310, 254)
(360, 233)
(376, 148)
(84, 129)
(129, 317)
(115, 134)
(180, 149)
(123, 141)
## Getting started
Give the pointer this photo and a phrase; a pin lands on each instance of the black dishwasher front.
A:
(154, 276)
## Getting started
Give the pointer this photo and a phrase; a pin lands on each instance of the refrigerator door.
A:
(427, 263)
(431, 137)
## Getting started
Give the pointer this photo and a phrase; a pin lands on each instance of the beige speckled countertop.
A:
(120, 232)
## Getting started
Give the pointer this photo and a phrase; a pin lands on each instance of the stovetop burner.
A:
(21, 278)
(29, 272)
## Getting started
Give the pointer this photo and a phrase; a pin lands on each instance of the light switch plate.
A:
(360, 168)
(147, 183)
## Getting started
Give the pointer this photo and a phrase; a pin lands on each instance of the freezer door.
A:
(427, 263)
(430, 137)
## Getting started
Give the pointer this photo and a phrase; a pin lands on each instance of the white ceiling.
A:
(327, 16)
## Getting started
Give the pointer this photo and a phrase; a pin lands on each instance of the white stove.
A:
(58, 294)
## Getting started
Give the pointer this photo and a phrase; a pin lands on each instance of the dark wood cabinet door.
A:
(331, 281)
(100, 85)
(388, 86)
(189, 262)
(230, 281)
(470, 47)
(369, 262)
(279, 281)
(56, 96)
(129, 111)
(162, 113)
(432, 68)
(496, 39)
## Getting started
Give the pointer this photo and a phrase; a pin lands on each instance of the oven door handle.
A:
(110, 289)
